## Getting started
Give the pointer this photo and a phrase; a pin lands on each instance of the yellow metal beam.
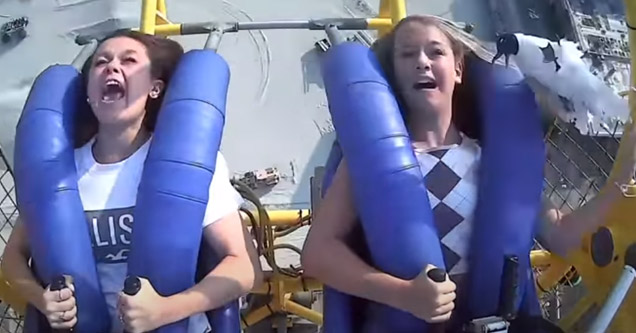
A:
(290, 285)
(393, 10)
(11, 296)
(287, 217)
(281, 218)
(398, 11)
(154, 18)
(385, 9)
(161, 7)
(303, 312)
(148, 16)
(380, 23)
(168, 29)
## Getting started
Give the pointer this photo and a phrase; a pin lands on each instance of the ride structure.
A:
(605, 257)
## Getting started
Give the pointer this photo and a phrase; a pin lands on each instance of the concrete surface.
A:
(277, 113)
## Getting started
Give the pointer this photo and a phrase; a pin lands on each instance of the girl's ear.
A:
(157, 88)
(459, 71)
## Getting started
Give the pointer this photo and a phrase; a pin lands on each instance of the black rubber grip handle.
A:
(630, 256)
(509, 288)
(437, 275)
(132, 285)
(58, 283)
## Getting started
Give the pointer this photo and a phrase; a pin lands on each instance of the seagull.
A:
(559, 66)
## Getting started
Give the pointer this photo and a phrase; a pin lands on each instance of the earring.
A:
(154, 93)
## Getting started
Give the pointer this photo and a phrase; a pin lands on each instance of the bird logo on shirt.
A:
(121, 255)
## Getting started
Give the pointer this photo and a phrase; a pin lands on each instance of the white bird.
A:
(559, 67)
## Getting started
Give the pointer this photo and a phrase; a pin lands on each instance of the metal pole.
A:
(273, 25)
(614, 301)
(148, 16)
(320, 24)
(341, 23)
(214, 39)
(398, 10)
(199, 28)
(335, 37)
(161, 7)
(84, 54)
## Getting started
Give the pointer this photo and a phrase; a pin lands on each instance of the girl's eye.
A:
(408, 54)
(100, 62)
(438, 52)
(130, 60)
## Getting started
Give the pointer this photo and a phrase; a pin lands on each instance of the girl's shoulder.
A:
(471, 146)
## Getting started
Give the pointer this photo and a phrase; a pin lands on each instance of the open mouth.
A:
(113, 91)
(425, 85)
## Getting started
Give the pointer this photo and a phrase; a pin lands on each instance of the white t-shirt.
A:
(109, 194)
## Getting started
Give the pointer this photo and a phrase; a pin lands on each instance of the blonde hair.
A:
(466, 48)
(465, 117)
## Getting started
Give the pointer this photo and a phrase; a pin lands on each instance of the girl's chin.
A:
(110, 115)
(427, 102)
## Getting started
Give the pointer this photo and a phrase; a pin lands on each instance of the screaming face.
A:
(120, 82)
(425, 67)
(113, 91)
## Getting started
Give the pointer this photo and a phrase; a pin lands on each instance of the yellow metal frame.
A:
(154, 18)
(281, 287)
(600, 280)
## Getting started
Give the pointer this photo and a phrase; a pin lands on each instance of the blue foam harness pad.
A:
(388, 186)
(510, 186)
(175, 183)
(48, 197)
(391, 196)
(172, 196)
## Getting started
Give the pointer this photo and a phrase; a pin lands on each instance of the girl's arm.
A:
(238, 272)
(327, 257)
(15, 267)
(564, 232)
(561, 233)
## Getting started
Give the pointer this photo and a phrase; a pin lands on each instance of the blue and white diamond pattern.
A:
(451, 180)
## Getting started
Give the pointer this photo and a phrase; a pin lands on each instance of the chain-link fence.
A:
(9, 320)
(577, 167)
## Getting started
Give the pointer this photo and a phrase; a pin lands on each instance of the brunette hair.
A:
(164, 55)
(465, 114)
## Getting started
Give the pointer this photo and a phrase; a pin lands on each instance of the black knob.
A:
(602, 247)
(58, 283)
(82, 40)
(437, 275)
(630, 256)
(132, 285)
